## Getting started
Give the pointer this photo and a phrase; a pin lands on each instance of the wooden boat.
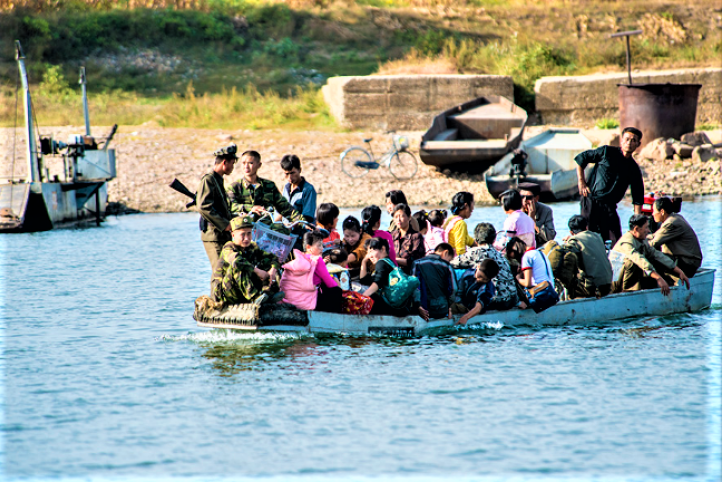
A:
(550, 164)
(472, 136)
(578, 312)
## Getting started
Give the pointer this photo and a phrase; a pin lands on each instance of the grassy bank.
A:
(256, 64)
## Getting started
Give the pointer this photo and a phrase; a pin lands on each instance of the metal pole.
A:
(629, 51)
(86, 114)
(629, 68)
(97, 207)
(33, 168)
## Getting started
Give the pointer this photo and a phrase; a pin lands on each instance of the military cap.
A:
(532, 187)
(228, 152)
(241, 222)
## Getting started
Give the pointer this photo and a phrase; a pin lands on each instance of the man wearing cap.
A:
(594, 278)
(644, 267)
(254, 195)
(243, 271)
(614, 171)
(540, 213)
(212, 204)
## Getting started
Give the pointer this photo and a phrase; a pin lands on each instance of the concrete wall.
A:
(405, 102)
(584, 99)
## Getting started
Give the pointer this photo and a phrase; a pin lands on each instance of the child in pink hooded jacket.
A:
(306, 281)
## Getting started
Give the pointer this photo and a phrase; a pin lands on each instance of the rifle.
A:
(178, 186)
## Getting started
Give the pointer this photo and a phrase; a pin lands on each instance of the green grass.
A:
(707, 127)
(267, 58)
(607, 123)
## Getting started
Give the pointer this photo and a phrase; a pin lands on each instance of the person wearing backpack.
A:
(537, 279)
(390, 288)
(595, 271)
(565, 266)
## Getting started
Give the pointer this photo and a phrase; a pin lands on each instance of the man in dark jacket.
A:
(614, 171)
(212, 204)
(437, 282)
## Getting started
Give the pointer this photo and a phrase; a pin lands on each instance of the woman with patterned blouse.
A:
(485, 234)
(408, 243)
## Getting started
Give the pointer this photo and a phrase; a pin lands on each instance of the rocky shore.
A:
(149, 157)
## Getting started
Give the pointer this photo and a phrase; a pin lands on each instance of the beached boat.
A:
(549, 163)
(474, 135)
(579, 312)
(75, 191)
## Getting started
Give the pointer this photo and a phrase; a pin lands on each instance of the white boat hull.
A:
(579, 312)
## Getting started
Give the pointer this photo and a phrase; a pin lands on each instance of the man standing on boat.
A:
(244, 272)
(540, 213)
(614, 171)
(213, 204)
(644, 267)
(254, 195)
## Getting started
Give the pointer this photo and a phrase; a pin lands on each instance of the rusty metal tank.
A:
(658, 110)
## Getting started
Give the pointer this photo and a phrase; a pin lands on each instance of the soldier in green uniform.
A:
(213, 204)
(253, 195)
(243, 271)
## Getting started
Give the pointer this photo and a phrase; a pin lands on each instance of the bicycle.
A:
(401, 163)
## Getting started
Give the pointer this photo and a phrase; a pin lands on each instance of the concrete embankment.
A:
(405, 102)
(582, 100)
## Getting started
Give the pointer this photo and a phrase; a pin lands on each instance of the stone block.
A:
(704, 153)
(405, 103)
(372, 104)
(657, 150)
(695, 139)
(683, 150)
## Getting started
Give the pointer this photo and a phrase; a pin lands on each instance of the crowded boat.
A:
(276, 248)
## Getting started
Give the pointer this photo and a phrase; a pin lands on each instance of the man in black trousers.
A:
(614, 171)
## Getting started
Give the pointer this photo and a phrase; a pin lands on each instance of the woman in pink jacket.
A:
(306, 281)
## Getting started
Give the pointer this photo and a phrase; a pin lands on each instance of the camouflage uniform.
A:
(233, 279)
(242, 197)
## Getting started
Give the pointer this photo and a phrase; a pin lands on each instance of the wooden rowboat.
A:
(578, 312)
(474, 135)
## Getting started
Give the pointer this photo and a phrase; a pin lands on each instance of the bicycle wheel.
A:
(350, 160)
(403, 165)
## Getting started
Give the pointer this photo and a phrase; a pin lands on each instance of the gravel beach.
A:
(149, 157)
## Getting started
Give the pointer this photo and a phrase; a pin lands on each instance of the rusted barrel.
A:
(658, 110)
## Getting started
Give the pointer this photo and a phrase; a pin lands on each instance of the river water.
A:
(106, 376)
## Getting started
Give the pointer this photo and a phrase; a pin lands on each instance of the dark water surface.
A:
(106, 376)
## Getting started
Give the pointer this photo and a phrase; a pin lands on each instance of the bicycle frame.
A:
(385, 158)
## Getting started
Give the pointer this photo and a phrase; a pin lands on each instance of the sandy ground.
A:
(148, 158)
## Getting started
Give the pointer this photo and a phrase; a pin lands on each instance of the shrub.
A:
(607, 123)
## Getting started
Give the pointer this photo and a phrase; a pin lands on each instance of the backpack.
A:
(563, 263)
(400, 288)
